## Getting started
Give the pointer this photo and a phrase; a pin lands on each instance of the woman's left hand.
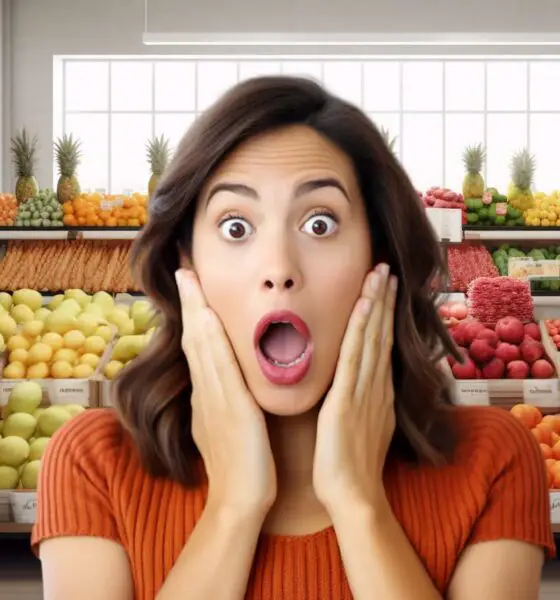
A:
(357, 420)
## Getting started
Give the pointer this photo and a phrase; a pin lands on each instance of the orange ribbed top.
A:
(92, 484)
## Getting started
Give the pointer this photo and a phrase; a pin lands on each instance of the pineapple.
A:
(390, 141)
(158, 156)
(67, 152)
(523, 166)
(473, 183)
(24, 156)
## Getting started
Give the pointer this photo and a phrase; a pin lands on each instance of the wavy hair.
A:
(152, 394)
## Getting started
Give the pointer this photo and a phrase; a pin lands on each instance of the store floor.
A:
(20, 574)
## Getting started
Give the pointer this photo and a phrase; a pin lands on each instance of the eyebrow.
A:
(302, 189)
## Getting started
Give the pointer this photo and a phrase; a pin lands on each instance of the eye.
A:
(320, 225)
(235, 229)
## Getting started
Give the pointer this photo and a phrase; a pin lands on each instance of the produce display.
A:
(437, 197)
(41, 210)
(466, 262)
(510, 350)
(90, 265)
(523, 165)
(68, 154)
(452, 313)
(105, 210)
(502, 255)
(8, 210)
(24, 157)
(158, 154)
(473, 160)
(493, 209)
(546, 210)
(25, 433)
(553, 329)
(491, 298)
(547, 432)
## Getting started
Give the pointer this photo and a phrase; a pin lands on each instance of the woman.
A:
(274, 441)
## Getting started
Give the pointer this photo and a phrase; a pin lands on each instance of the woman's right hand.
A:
(228, 426)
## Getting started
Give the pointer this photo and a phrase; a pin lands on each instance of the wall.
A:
(41, 29)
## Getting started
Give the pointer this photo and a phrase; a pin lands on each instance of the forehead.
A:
(292, 151)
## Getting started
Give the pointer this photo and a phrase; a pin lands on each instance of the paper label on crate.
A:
(6, 386)
(542, 392)
(110, 204)
(446, 222)
(473, 393)
(70, 391)
(527, 268)
(555, 507)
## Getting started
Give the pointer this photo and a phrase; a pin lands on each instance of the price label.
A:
(6, 387)
(555, 507)
(70, 391)
(527, 268)
(542, 392)
(473, 393)
(446, 223)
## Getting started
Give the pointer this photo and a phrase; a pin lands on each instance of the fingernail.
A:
(182, 281)
(384, 270)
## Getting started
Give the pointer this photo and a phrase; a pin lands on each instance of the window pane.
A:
(255, 68)
(345, 80)
(392, 123)
(461, 130)
(93, 132)
(175, 84)
(214, 78)
(464, 86)
(131, 85)
(87, 85)
(129, 167)
(545, 133)
(173, 126)
(507, 86)
(422, 86)
(423, 149)
(382, 86)
(303, 68)
(507, 134)
(545, 85)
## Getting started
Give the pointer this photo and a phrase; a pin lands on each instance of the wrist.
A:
(230, 515)
(359, 510)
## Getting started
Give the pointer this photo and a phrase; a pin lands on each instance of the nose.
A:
(281, 269)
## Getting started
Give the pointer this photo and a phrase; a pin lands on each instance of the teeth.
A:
(277, 363)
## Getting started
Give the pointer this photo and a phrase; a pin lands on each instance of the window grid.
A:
(285, 62)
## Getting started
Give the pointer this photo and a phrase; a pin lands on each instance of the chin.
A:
(288, 401)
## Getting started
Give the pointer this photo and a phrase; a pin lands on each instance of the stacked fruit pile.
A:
(553, 329)
(42, 210)
(8, 210)
(492, 298)
(25, 432)
(466, 262)
(452, 313)
(547, 432)
(89, 265)
(509, 350)
(65, 339)
(546, 211)
(104, 210)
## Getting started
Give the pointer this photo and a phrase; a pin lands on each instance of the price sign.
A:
(555, 507)
(6, 387)
(70, 391)
(446, 223)
(542, 392)
(528, 269)
(473, 393)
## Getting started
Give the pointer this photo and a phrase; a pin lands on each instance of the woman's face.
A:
(281, 236)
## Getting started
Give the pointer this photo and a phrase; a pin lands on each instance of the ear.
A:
(185, 261)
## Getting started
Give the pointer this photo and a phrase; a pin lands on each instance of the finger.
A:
(193, 304)
(387, 336)
(373, 335)
(350, 354)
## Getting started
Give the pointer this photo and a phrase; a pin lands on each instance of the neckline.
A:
(286, 538)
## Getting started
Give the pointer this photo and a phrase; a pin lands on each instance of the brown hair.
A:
(152, 394)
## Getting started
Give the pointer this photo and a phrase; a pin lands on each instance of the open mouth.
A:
(284, 348)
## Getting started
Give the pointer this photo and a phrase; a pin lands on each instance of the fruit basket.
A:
(489, 388)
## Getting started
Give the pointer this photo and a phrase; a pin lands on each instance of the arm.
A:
(377, 556)
(221, 543)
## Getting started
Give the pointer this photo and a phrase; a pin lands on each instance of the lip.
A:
(280, 375)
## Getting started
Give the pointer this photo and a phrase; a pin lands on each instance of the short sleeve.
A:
(73, 490)
(518, 503)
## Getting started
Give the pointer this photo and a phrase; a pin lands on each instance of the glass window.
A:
(506, 86)
(507, 134)
(464, 86)
(175, 86)
(93, 133)
(344, 79)
(131, 86)
(214, 78)
(87, 85)
(173, 126)
(382, 86)
(545, 133)
(422, 86)
(249, 69)
(303, 68)
(129, 166)
(461, 130)
(545, 86)
(422, 147)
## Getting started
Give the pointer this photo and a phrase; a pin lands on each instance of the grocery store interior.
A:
(96, 95)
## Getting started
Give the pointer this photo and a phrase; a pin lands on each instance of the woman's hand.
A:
(357, 419)
(228, 427)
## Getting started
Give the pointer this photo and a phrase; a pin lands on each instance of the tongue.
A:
(282, 343)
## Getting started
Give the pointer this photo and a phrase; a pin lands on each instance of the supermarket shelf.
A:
(83, 233)
(510, 234)
(10, 528)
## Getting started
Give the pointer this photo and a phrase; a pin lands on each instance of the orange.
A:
(111, 222)
(529, 415)
(69, 220)
(133, 223)
(122, 222)
(67, 208)
(546, 451)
